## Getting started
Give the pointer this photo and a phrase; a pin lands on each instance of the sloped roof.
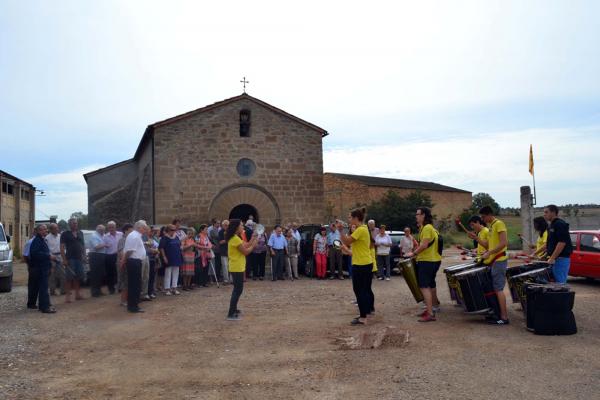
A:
(396, 183)
(14, 178)
(85, 176)
(150, 129)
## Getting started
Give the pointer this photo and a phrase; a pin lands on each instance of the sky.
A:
(449, 92)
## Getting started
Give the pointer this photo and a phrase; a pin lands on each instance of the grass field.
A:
(513, 225)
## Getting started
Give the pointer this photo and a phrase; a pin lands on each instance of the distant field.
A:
(585, 219)
(513, 225)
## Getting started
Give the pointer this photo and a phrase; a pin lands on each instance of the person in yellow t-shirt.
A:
(541, 227)
(362, 263)
(237, 251)
(428, 262)
(496, 257)
(480, 233)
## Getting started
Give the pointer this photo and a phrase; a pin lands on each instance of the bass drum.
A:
(451, 279)
(474, 288)
(408, 268)
(540, 275)
(517, 270)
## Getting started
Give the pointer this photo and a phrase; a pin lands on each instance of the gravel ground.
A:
(294, 341)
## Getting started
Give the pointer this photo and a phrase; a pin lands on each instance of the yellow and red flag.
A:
(531, 159)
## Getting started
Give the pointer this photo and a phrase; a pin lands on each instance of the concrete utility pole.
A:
(527, 216)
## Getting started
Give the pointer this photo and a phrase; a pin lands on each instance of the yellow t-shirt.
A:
(361, 247)
(430, 253)
(483, 234)
(237, 259)
(496, 228)
(541, 242)
(374, 257)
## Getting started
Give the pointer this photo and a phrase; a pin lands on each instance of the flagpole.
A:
(534, 194)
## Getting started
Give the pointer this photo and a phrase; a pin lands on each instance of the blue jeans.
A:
(560, 269)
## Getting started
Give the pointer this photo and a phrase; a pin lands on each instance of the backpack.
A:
(440, 242)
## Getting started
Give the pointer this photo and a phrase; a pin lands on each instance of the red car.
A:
(585, 260)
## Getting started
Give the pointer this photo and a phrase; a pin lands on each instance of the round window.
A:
(246, 167)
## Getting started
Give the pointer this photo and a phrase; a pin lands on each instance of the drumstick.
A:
(460, 224)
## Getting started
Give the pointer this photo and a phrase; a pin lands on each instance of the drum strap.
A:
(502, 254)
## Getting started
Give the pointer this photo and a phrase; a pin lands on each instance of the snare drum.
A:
(540, 275)
(409, 272)
(474, 286)
(451, 279)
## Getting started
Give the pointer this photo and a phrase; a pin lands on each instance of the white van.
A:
(6, 261)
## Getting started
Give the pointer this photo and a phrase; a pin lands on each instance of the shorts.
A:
(426, 272)
(498, 271)
(74, 271)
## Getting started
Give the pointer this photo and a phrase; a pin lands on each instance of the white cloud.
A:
(496, 163)
(64, 192)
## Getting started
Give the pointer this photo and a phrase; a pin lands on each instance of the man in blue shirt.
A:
(40, 261)
(278, 248)
(559, 246)
(335, 254)
(96, 257)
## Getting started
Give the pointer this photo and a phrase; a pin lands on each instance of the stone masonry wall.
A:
(343, 194)
(196, 158)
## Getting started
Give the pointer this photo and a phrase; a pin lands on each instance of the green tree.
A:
(479, 200)
(484, 199)
(82, 219)
(62, 225)
(397, 212)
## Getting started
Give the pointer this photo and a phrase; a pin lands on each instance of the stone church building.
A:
(231, 159)
(236, 158)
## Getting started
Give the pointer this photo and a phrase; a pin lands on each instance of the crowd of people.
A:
(140, 261)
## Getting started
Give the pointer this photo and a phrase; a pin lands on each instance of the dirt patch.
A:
(375, 339)
(288, 346)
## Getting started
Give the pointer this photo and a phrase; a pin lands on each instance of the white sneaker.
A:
(387, 279)
(168, 293)
(177, 292)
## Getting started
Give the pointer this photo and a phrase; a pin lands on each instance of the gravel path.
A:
(294, 341)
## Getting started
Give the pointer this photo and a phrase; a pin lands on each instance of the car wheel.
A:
(6, 284)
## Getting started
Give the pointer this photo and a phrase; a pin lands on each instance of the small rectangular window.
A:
(25, 194)
(7, 188)
(590, 243)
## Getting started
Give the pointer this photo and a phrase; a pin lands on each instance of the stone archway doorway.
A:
(264, 205)
(243, 211)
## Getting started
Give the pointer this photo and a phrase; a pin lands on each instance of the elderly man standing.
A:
(72, 250)
(134, 254)
(278, 247)
(96, 258)
(335, 253)
(41, 263)
(213, 236)
(58, 273)
(111, 240)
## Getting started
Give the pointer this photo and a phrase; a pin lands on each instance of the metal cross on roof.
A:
(244, 81)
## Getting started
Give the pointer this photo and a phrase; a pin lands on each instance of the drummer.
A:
(362, 262)
(497, 258)
(541, 227)
(480, 233)
(428, 262)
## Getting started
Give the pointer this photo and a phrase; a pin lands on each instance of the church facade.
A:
(231, 159)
